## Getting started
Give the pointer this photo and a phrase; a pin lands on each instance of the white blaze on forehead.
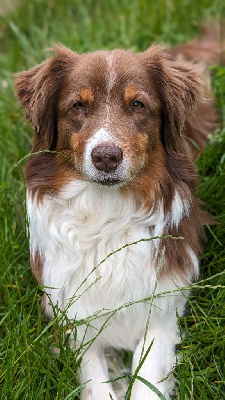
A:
(111, 79)
(111, 72)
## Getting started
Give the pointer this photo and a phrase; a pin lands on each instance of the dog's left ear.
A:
(179, 88)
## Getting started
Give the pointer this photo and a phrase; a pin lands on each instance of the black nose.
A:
(106, 157)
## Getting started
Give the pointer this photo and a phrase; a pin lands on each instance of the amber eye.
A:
(137, 104)
(79, 106)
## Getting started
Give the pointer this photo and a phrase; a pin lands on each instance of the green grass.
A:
(28, 369)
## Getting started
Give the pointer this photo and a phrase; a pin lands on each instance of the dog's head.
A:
(114, 114)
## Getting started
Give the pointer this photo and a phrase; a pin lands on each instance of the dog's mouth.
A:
(113, 177)
(109, 182)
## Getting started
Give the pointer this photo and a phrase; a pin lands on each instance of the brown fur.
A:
(203, 51)
(37, 267)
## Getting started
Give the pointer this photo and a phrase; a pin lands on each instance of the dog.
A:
(114, 223)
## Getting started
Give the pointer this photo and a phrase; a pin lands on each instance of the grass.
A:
(28, 369)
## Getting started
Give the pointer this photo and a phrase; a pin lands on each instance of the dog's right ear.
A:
(37, 91)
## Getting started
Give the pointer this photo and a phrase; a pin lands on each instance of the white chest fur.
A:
(84, 225)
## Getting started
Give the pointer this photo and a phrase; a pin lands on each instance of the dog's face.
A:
(114, 114)
(109, 117)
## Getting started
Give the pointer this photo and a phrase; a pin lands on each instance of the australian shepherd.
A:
(113, 219)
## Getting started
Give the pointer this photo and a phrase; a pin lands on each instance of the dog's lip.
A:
(109, 182)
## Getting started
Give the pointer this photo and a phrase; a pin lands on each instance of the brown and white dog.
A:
(120, 170)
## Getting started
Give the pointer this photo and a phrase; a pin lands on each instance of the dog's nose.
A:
(106, 157)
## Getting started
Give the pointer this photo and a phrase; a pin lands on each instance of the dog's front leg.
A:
(162, 339)
(94, 369)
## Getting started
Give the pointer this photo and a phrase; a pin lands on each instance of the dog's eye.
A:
(79, 106)
(137, 104)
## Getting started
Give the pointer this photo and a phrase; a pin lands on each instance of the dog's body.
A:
(120, 171)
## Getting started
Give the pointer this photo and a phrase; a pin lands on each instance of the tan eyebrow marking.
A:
(86, 95)
(130, 93)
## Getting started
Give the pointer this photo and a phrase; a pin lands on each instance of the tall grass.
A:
(28, 369)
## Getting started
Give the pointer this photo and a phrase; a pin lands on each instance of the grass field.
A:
(28, 369)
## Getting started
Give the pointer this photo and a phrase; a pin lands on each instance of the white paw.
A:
(98, 392)
(140, 391)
